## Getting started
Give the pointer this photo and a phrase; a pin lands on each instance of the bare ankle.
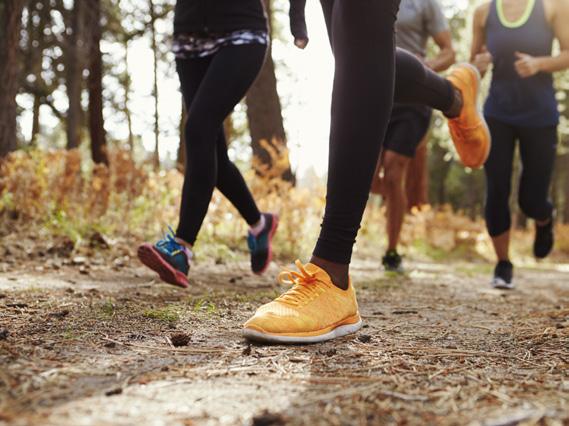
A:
(184, 243)
(543, 222)
(339, 273)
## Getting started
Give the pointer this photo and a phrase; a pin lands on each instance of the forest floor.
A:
(82, 343)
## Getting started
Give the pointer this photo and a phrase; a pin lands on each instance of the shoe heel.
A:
(272, 233)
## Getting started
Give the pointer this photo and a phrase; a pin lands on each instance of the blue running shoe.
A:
(170, 259)
(260, 246)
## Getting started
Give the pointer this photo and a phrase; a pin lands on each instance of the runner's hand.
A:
(527, 65)
(483, 61)
(300, 42)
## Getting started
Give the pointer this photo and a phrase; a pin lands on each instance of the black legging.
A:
(362, 37)
(212, 86)
(537, 152)
(417, 84)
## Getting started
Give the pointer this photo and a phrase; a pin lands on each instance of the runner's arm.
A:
(479, 55)
(437, 26)
(446, 55)
(528, 65)
(298, 23)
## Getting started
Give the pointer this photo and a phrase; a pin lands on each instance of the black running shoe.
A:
(544, 240)
(260, 246)
(392, 262)
(503, 275)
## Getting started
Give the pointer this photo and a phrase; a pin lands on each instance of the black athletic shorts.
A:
(408, 126)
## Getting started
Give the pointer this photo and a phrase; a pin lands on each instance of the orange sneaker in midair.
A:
(469, 130)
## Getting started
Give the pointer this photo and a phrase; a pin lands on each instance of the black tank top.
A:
(224, 16)
(204, 16)
(528, 102)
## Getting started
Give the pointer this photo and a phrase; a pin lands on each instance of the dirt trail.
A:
(438, 347)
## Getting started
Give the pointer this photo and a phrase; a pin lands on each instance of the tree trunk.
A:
(35, 121)
(155, 87)
(38, 15)
(10, 25)
(417, 181)
(126, 85)
(566, 188)
(95, 86)
(74, 65)
(264, 113)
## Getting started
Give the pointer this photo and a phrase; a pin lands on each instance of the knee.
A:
(527, 205)
(201, 172)
(408, 66)
(535, 208)
(201, 129)
(531, 202)
(394, 172)
(498, 219)
(497, 210)
(195, 135)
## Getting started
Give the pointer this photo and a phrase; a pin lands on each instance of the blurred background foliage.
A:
(64, 67)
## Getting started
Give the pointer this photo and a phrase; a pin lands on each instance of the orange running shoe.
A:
(313, 310)
(469, 130)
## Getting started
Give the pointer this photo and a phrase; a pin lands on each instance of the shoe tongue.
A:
(319, 273)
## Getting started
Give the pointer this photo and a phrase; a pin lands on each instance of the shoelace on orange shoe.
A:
(302, 287)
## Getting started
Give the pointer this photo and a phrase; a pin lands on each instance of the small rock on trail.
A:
(180, 339)
(268, 419)
(60, 314)
(112, 392)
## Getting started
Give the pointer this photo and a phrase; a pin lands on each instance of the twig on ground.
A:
(169, 342)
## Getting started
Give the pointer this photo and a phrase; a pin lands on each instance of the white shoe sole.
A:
(341, 331)
(500, 284)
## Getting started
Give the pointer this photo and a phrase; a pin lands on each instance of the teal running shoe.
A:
(170, 259)
(260, 246)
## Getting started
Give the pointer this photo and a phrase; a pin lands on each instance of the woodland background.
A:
(67, 64)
